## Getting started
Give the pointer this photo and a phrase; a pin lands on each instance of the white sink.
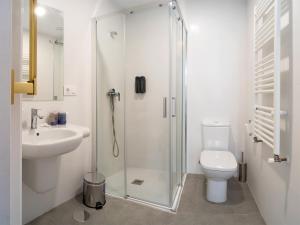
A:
(50, 142)
(42, 149)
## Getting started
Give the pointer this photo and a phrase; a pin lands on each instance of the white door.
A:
(10, 151)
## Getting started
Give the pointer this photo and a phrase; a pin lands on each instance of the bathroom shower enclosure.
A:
(146, 128)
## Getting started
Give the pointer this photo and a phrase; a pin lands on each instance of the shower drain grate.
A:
(137, 182)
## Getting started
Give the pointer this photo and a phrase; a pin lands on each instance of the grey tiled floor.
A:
(240, 209)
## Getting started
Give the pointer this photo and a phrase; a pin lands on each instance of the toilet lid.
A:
(218, 160)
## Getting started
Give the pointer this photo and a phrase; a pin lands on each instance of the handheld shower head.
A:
(112, 94)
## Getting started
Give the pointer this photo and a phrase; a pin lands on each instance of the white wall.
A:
(276, 187)
(77, 71)
(293, 196)
(216, 71)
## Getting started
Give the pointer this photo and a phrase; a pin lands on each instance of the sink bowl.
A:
(50, 142)
(42, 149)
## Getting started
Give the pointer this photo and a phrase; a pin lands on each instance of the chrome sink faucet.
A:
(34, 117)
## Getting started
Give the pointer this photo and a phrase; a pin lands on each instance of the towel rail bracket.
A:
(277, 159)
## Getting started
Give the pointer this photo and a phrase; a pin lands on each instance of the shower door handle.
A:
(164, 107)
(173, 107)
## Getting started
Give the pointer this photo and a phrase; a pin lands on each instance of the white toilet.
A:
(217, 162)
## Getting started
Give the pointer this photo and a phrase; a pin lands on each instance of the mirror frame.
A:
(33, 45)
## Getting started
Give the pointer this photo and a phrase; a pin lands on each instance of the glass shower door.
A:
(146, 115)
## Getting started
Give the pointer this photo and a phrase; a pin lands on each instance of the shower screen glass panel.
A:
(140, 103)
(184, 101)
(177, 97)
(111, 102)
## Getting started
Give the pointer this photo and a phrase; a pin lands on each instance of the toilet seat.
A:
(218, 160)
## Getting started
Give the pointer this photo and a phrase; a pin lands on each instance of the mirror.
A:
(50, 52)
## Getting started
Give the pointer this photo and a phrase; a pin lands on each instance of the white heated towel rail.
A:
(267, 71)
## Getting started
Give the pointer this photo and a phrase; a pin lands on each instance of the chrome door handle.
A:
(164, 107)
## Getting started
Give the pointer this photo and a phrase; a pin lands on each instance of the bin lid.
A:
(94, 178)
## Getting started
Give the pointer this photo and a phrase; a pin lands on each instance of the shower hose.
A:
(116, 150)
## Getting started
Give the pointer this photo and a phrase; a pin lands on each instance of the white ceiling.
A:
(129, 4)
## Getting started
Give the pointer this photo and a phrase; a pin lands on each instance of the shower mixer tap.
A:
(112, 93)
